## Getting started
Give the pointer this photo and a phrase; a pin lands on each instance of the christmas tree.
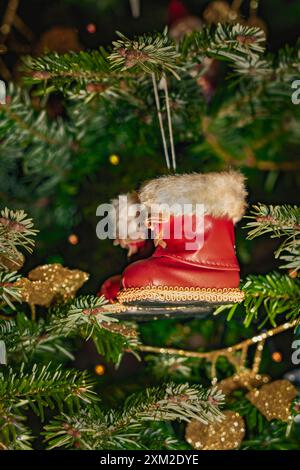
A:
(77, 374)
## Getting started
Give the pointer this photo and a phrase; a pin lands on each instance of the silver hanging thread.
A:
(2, 92)
(135, 8)
(160, 120)
(164, 86)
(3, 357)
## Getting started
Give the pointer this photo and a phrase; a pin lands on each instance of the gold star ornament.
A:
(274, 400)
(225, 435)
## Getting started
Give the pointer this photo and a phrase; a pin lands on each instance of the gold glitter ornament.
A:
(225, 435)
(59, 39)
(48, 283)
(63, 282)
(244, 379)
(35, 293)
(183, 26)
(220, 12)
(274, 400)
(12, 263)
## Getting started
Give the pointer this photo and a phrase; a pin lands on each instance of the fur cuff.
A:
(223, 194)
(123, 215)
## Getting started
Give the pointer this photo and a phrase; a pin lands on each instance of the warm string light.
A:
(114, 159)
(99, 369)
(277, 356)
(73, 239)
(91, 28)
(293, 273)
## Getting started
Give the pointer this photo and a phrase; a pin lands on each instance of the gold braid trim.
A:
(181, 294)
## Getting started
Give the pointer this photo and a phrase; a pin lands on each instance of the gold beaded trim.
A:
(180, 294)
(112, 308)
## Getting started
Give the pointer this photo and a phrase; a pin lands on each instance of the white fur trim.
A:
(223, 194)
(122, 214)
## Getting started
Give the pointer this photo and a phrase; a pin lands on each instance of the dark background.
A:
(100, 258)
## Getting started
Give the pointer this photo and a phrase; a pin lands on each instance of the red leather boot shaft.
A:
(111, 286)
(213, 248)
(211, 263)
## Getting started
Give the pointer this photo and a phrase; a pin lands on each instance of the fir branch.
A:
(232, 42)
(94, 429)
(43, 146)
(268, 296)
(271, 71)
(144, 54)
(165, 365)
(25, 339)
(8, 291)
(20, 113)
(159, 436)
(16, 230)
(14, 435)
(86, 73)
(43, 387)
(277, 294)
(87, 316)
(147, 53)
(278, 221)
(37, 389)
(85, 313)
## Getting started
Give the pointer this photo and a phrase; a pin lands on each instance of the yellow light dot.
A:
(277, 356)
(5, 29)
(114, 159)
(73, 239)
(100, 369)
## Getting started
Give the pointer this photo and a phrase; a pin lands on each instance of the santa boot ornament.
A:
(194, 261)
(134, 238)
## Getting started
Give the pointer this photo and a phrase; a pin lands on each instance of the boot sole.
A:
(174, 296)
(142, 311)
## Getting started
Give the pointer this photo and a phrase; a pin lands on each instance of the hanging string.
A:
(253, 8)
(236, 5)
(160, 120)
(164, 86)
(135, 8)
(2, 92)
